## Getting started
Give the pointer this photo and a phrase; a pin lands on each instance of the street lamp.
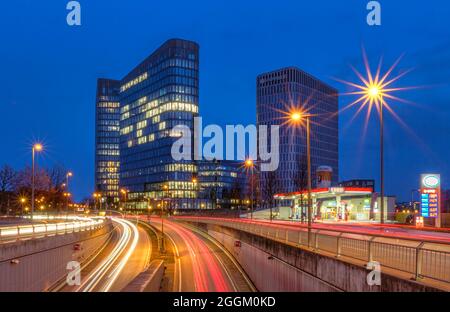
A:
(372, 89)
(250, 164)
(195, 184)
(23, 200)
(96, 197)
(37, 147)
(68, 175)
(375, 93)
(125, 196)
(166, 188)
(296, 118)
(149, 209)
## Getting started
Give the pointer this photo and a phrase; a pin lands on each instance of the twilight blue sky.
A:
(49, 71)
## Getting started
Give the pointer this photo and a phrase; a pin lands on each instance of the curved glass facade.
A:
(157, 95)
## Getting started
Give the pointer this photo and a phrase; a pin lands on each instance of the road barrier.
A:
(149, 280)
(29, 231)
(422, 259)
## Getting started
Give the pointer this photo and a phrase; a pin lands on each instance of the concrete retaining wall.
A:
(35, 265)
(149, 280)
(274, 266)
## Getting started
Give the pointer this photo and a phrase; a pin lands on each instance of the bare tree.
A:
(300, 178)
(57, 177)
(7, 175)
(6, 186)
(271, 187)
(22, 180)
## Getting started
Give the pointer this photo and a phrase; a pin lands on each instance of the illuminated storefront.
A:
(335, 203)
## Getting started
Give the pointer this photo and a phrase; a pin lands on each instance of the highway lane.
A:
(201, 265)
(127, 254)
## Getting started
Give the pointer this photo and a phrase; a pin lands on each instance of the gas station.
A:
(334, 204)
(356, 201)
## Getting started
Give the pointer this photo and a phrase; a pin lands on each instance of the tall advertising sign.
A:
(430, 196)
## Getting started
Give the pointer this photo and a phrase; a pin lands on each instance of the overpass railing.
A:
(69, 225)
(421, 259)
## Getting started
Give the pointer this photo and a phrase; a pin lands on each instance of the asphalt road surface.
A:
(201, 264)
(126, 255)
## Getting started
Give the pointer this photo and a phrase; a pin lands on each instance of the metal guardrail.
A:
(422, 259)
(29, 231)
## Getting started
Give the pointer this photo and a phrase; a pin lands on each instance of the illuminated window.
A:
(134, 82)
(142, 140)
(142, 100)
(155, 119)
(127, 129)
(141, 124)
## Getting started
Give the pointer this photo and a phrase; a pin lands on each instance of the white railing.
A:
(422, 259)
(67, 224)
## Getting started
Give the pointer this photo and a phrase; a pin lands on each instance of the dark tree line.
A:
(15, 189)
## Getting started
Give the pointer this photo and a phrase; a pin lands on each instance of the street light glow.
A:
(374, 91)
(295, 116)
(373, 88)
(371, 91)
(38, 147)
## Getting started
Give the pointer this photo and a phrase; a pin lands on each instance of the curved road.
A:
(201, 264)
(125, 256)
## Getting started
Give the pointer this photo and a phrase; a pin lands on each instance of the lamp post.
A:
(36, 148)
(371, 90)
(96, 198)
(250, 164)
(166, 188)
(196, 185)
(149, 209)
(68, 175)
(375, 93)
(125, 196)
(297, 117)
(22, 201)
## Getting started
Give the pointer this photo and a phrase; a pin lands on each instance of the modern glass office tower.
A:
(224, 183)
(107, 115)
(158, 94)
(278, 92)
